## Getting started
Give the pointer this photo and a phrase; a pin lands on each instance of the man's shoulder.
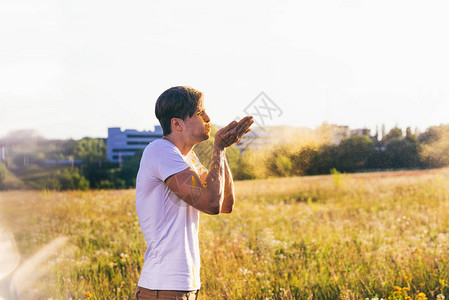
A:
(163, 158)
(158, 145)
(160, 149)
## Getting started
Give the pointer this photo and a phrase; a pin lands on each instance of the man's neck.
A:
(182, 145)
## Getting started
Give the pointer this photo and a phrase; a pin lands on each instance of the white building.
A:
(361, 131)
(257, 138)
(121, 144)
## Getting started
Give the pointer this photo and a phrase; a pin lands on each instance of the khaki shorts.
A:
(146, 294)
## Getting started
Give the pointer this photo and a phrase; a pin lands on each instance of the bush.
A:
(434, 152)
(279, 163)
(7, 180)
(70, 179)
(304, 162)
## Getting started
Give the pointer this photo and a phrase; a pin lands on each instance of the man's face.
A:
(198, 126)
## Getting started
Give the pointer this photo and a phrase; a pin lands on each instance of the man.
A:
(173, 187)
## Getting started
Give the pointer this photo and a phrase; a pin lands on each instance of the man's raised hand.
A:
(233, 132)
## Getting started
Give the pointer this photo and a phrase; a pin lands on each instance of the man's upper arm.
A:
(187, 185)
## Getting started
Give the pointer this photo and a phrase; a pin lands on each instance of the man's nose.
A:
(206, 118)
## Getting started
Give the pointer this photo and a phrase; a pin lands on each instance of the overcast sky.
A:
(74, 68)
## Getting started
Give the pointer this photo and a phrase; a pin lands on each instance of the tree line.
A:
(357, 153)
(27, 165)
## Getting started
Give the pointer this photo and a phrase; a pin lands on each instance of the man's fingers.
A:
(231, 125)
(244, 126)
(242, 122)
(233, 132)
(246, 118)
(235, 136)
(239, 138)
(245, 123)
(241, 128)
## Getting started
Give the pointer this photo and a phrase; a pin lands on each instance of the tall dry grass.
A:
(324, 237)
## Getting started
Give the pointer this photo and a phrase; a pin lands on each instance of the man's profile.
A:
(172, 187)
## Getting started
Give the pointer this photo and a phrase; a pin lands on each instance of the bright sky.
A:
(74, 68)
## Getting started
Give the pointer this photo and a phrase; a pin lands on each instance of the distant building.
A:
(361, 131)
(257, 138)
(339, 133)
(336, 133)
(121, 144)
(331, 133)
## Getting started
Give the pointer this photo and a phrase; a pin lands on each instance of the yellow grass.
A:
(324, 237)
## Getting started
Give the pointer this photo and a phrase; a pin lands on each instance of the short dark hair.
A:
(177, 102)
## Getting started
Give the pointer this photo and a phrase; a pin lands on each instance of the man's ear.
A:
(177, 124)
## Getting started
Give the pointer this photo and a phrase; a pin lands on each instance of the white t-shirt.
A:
(169, 225)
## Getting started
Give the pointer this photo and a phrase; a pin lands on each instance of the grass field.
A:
(340, 236)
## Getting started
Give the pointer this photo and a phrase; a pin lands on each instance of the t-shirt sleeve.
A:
(167, 161)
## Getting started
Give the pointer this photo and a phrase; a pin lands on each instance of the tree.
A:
(327, 159)
(394, 134)
(70, 179)
(354, 153)
(431, 135)
(435, 146)
(129, 171)
(304, 161)
(90, 149)
(279, 162)
(244, 169)
(409, 136)
(402, 153)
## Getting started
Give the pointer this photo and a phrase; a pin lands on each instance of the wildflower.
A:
(88, 295)
(245, 271)
(124, 256)
(421, 296)
(443, 283)
(440, 297)
(397, 289)
(415, 250)
(249, 251)
(401, 293)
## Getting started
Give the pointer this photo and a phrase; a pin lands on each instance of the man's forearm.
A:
(229, 197)
(215, 180)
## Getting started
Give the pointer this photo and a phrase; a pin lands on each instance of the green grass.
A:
(324, 237)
